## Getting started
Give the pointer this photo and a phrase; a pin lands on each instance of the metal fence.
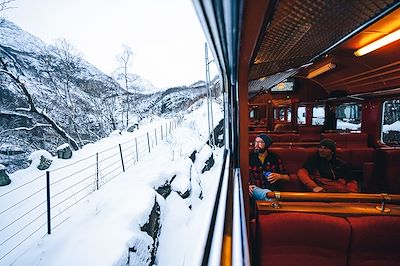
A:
(38, 206)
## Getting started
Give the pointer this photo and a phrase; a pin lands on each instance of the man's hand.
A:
(273, 177)
(251, 189)
(318, 189)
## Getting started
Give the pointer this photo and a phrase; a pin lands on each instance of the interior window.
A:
(348, 117)
(252, 113)
(282, 113)
(390, 134)
(301, 115)
(318, 115)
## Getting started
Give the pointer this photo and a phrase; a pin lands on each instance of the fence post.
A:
(48, 202)
(122, 158)
(161, 133)
(97, 170)
(148, 141)
(155, 135)
(137, 154)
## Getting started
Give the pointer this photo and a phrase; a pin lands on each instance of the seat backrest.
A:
(375, 240)
(302, 239)
(293, 158)
(339, 138)
(357, 140)
(310, 133)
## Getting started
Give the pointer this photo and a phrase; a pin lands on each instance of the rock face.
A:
(64, 151)
(143, 249)
(41, 159)
(218, 133)
(165, 189)
(141, 252)
(209, 163)
(4, 179)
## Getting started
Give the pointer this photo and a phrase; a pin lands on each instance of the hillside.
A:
(49, 96)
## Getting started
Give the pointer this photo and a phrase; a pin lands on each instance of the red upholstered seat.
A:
(302, 239)
(293, 158)
(375, 241)
(357, 140)
(339, 138)
(390, 169)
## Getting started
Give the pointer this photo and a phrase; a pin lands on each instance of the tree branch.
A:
(33, 109)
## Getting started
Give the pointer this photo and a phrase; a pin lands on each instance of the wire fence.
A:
(38, 206)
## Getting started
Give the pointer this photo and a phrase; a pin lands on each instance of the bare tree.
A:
(4, 5)
(124, 60)
(62, 64)
(32, 107)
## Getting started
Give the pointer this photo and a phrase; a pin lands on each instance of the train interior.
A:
(302, 71)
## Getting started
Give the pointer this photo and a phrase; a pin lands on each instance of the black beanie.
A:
(267, 140)
(329, 143)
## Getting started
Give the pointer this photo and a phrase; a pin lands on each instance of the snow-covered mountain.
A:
(49, 96)
(136, 84)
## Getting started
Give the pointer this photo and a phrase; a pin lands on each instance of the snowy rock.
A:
(64, 151)
(41, 159)
(133, 127)
(116, 133)
(193, 156)
(140, 250)
(208, 164)
(152, 228)
(165, 189)
(204, 160)
(4, 179)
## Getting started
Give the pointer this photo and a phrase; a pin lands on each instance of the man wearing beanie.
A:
(324, 172)
(266, 169)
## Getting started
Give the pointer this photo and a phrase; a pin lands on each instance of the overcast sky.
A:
(165, 36)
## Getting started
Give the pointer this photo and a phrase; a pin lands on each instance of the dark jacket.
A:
(332, 169)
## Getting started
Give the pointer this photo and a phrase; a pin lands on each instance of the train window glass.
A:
(282, 113)
(252, 114)
(301, 115)
(348, 117)
(276, 114)
(391, 123)
(318, 115)
(289, 114)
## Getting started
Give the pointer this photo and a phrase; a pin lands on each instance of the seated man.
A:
(266, 170)
(323, 172)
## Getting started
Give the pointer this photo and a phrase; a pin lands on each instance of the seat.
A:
(375, 241)
(302, 239)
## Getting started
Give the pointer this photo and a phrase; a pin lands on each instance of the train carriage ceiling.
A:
(301, 35)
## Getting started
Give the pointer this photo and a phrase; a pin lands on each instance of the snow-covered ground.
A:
(101, 227)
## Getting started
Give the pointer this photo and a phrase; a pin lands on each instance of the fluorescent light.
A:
(321, 70)
(394, 36)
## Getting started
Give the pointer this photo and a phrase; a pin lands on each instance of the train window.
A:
(301, 115)
(318, 115)
(348, 117)
(282, 114)
(391, 123)
(252, 113)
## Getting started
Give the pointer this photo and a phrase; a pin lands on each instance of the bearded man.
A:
(266, 170)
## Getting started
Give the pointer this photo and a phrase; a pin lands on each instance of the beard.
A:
(261, 150)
